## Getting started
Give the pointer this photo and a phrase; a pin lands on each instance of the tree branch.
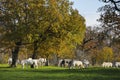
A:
(114, 2)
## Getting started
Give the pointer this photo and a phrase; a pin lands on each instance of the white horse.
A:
(117, 64)
(10, 61)
(29, 62)
(107, 64)
(86, 63)
(42, 61)
(76, 63)
(34, 62)
(26, 62)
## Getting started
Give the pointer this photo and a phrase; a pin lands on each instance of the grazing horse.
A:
(10, 61)
(26, 62)
(34, 62)
(75, 64)
(62, 63)
(30, 61)
(86, 63)
(107, 64)
(42, 61)
(117, 64)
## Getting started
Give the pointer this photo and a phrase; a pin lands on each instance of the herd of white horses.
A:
(29, 61)
(62, 62)
(110, 64)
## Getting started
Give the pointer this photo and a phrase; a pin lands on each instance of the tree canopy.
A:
(46, 24)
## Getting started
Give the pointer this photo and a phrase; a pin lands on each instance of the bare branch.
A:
(114, 2)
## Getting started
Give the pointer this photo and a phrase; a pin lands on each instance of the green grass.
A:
(57, 73)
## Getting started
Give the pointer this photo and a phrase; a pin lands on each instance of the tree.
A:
(114, 2)
(106, 54)
(63, 24)
(99, 56)
(17, 21)
(94, 39)
(110, 21)
(38, 22)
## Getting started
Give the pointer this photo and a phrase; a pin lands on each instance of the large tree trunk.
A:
(93, 61)
(34, 56)
(47, 61)
(15, 54)
(57, 63)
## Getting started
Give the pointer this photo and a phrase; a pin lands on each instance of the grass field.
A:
(56, 73)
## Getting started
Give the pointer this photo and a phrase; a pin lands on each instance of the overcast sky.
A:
(88, 9)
